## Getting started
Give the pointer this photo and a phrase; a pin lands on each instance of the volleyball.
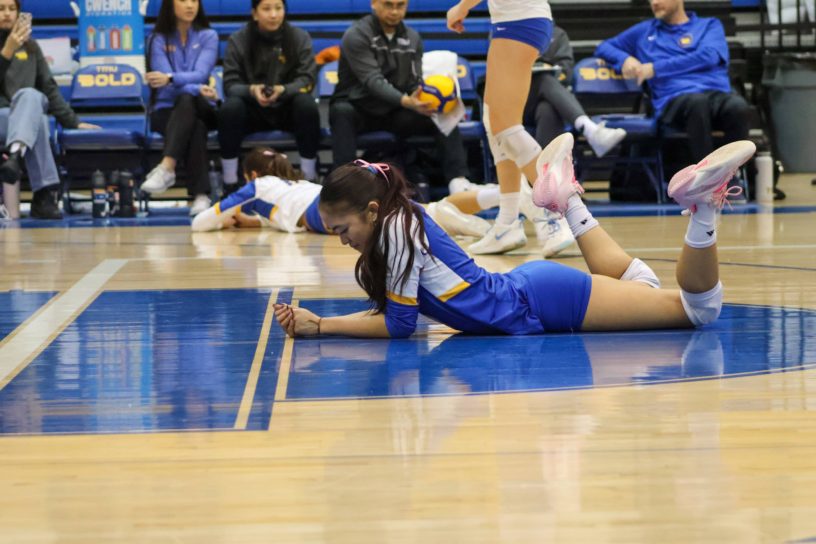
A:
(440, 91)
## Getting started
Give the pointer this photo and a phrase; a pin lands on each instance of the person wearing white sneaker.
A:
(520, 32)
(462, 184)
(160, 178)
(408, 265)
(200, 203)
(550, 105)
(552, 231)
(181, 54)
(454, 221)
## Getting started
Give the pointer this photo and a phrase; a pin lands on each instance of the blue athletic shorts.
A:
(558, 295)
(534, 32)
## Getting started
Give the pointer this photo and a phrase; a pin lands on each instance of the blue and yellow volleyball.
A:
(439, 90)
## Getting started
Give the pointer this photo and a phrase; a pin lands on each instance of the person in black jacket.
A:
(269, 74)
(378, 87)
(28, 93)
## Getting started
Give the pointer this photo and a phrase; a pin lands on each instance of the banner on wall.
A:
(111, 31)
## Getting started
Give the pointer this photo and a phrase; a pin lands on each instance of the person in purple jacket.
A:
(684, 59)
(182, 52)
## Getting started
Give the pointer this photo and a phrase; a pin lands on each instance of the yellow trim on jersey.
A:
(217, 208)
(408, 301)
(450, 293)
(273, 212)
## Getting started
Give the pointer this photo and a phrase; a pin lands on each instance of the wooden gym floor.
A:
(147, 396)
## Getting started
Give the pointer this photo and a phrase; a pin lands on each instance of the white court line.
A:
(28, 340)
(245, 407)
(286, 363)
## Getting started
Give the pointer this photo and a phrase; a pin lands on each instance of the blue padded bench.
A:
(592, 76)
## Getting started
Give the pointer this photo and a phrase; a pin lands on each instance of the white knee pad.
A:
(703, 308)
(640, 271)
(498, 154)
(518, 145)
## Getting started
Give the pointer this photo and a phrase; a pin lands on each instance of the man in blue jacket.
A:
(684, 58)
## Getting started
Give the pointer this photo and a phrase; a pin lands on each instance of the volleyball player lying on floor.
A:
(274, 196)
(408, 265)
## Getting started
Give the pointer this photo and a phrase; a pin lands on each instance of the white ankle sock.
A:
(578, 216)
(508, 208)
(702, 229)
(488, 198)
(586, 125)
(309, 168)
(229, 167)
(18, 146)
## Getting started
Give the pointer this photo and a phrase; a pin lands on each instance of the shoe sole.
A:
(553, 154)
(452, 223)
(707, 174)
(553, 251)
(502, 251)
(520, 243)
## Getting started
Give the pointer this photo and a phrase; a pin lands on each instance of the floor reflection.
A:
(746, 339)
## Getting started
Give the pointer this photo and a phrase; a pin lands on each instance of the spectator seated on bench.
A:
(182, 52)
(29, 93)
(684, 60)
(378, 90)
(269, 75)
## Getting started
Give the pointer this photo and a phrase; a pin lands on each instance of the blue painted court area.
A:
(17, 306)
(149, 361)
(746, 339)
(140, 361)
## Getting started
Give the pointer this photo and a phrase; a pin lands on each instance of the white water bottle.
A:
(764, 178)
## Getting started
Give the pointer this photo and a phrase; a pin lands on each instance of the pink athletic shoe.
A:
(556, 178)
(707, 181)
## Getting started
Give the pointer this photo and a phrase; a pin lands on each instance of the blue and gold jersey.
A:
(448, 286)
(277, 202)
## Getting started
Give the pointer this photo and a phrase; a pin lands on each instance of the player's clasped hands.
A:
(297, 321)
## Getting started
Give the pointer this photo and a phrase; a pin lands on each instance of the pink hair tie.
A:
(375, 167)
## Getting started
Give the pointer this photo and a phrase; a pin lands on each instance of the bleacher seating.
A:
(111, 96)
(593, 79)
(326, 20)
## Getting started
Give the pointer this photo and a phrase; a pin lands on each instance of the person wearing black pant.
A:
(269, 75)
(181, 55)
(698, 114)
(378, 89)
(550, 105)
(684, 60)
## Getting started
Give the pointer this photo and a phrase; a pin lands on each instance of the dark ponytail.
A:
(349, 189)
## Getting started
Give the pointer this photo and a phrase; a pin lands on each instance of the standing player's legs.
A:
(509, 65)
